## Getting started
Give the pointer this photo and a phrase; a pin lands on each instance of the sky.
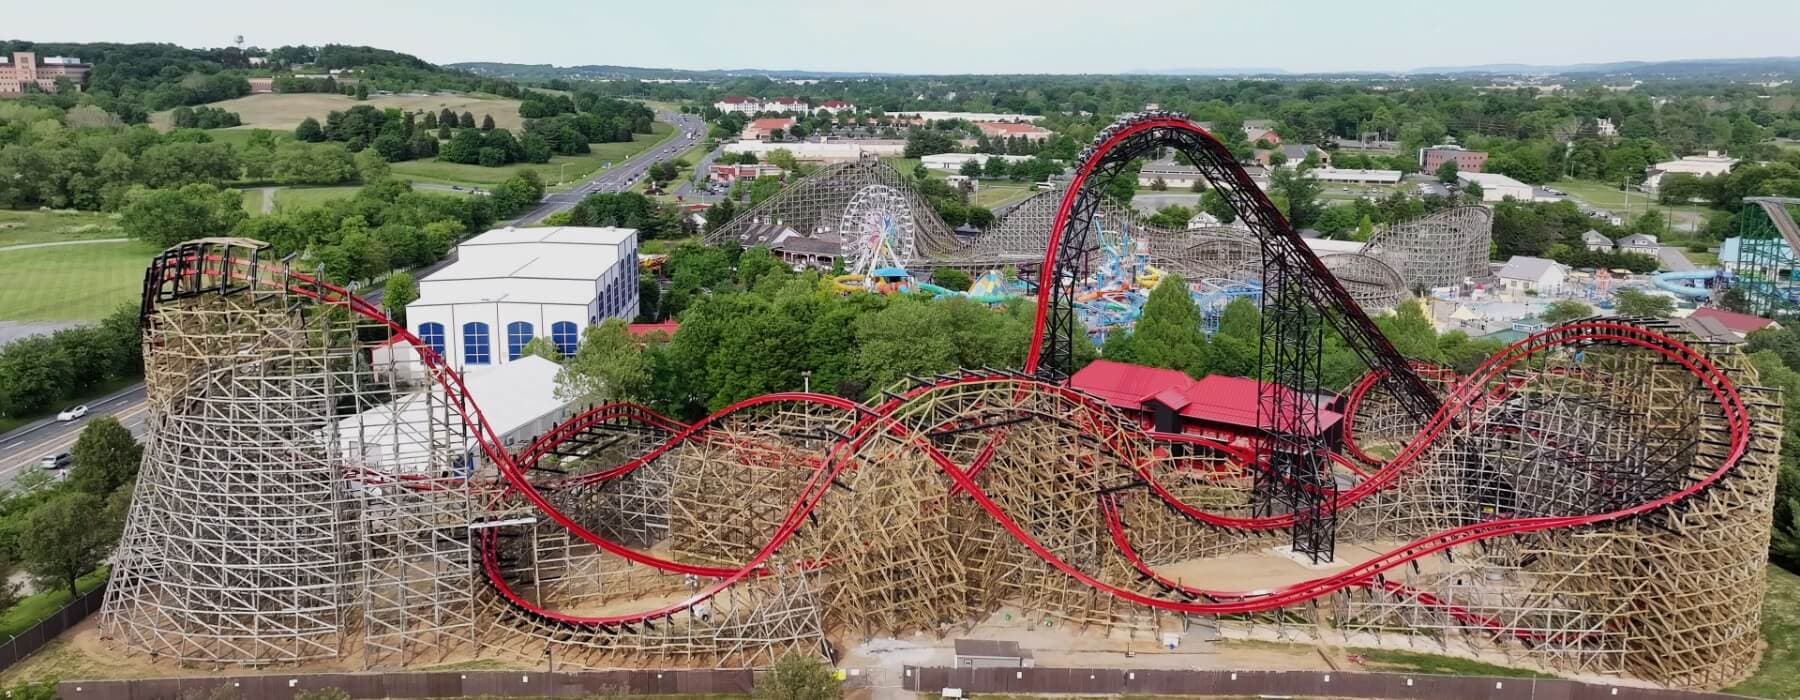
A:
(959, 36)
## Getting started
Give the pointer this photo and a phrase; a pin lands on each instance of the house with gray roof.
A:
(1524, 274)
(1597, 242)
(1639, 243)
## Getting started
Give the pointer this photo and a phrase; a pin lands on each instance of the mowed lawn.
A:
(24, 227)
(71, 283)
(578, 167)
(284, 112)
(302, 197)
(1779, 675)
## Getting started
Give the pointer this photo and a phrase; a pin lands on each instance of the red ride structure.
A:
(1595, 497)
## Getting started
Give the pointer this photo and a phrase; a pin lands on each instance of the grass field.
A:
(996, 193)
(284, 112)
(1605, 196)
(299, 197)
(71, 283)
(253, 200)
(1779, 676)
(32, 609)
(579, 167)
(23, 227)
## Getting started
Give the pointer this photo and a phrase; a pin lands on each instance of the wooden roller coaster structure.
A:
(1595, 497)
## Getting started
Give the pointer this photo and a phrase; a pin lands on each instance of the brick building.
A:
(24, 68)
(1467, 161)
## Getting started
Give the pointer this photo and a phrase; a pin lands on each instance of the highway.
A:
(688, 131)
(22, 448)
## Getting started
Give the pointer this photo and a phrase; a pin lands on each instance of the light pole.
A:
(806, 380)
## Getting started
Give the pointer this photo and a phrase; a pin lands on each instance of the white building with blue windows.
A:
(510, 285)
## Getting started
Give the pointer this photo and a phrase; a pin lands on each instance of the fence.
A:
(1399, 686)
(436, 684)
(29, 641)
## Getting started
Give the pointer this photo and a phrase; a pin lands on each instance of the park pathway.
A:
(53, 244)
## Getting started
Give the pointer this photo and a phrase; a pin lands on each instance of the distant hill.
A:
(544, 71)
(1686, 68)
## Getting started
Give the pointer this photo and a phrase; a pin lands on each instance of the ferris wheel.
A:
(877, 228)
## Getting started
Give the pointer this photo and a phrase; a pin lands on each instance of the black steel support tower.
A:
(1302, 301)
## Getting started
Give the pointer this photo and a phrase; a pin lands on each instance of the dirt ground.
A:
(284, 112)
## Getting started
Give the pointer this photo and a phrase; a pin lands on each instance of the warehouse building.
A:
(511, 285)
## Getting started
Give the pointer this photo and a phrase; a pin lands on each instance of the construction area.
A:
(1594, 500)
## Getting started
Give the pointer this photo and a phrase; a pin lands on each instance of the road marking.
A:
(16, 444)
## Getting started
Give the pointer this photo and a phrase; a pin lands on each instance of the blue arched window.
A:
(518, 333)
(475, 344)
(433, 336)
(565, 335)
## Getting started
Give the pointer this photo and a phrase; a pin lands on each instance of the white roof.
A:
(1348, 175)
(848, 150)
(573, 235)
(1698, 165)
(1490, 180)
(1525, 267)
(528, 265)
(972, 116)
(397, 437)
(1325, 246)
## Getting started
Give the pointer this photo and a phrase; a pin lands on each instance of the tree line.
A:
(750, 326)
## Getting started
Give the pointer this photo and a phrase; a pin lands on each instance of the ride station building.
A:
(1215, 406)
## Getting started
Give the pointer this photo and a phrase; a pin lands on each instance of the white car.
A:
(72, 413)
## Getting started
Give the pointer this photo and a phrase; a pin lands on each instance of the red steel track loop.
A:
(1133, 447)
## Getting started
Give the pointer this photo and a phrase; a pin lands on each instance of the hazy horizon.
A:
(944, 37)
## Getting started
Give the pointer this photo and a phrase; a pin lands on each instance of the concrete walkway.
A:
(53, 244)
(268, 196)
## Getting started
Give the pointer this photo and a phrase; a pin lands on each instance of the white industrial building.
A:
(826, 152)
(976, 117)
(1711, 164)
(510, 285)
(1496, 187)
(518, 401)
(954, 161)
(1348, 176)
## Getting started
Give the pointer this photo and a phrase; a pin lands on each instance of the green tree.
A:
(1563, 310)
(756, 263)
(105, 457)
(1447, 173)
(542, 347)
(487, 122)
(309, 131)
(608, 366)
(370, 165)
(1168, 333)
(1214, 203)
(1300, 193)
(784, 159)
(919, 172)
(1632, 302)
(67, 538)
(796, 677)
(362, 92)
(168, 217)
(466, 121)
(399, 290)
(970, 168)
(951, 278)
(998, 168)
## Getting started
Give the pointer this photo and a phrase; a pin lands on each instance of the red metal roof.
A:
(834, 104)
(768, 123)
(1230, 401)
(1738, 323)
(734, 100)
(639, 330)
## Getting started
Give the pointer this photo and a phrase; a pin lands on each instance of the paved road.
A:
(1673, 260)
(22, 448)
(53, 244)
(688, 131)
(686, 188)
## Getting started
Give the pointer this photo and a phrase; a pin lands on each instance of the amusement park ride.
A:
(1595, 497)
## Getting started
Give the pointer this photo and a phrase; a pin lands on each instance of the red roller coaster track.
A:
(1131, 447)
